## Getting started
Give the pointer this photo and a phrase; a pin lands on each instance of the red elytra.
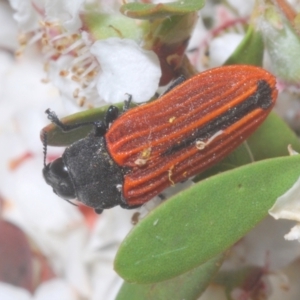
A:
(158, 141)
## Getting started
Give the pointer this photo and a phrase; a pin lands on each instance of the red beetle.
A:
(128, 160)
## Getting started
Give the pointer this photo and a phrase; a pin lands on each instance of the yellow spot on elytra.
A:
(171, 120)
(144, 157)
(170, 172)
(146, 153)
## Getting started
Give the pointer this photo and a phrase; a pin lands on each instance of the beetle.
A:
(128, 159)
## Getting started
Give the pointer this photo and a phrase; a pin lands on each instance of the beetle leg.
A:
(98, 211)
(100, 126)
(161, 196)
(127, 103)
(111, 115)
(55, 120)
(126, 206)
(176, 82)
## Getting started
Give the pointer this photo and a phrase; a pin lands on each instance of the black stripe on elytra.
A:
(261, 98)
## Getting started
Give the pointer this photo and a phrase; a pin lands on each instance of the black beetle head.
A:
(57, 175)
(87, 172)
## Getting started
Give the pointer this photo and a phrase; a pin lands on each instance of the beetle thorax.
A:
(96, 177)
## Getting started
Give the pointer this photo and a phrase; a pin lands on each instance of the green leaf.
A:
(203, 221)
(188, 286)
(269, 140)
(250, 51)
(272, 138)
(168, 38)
(152, 11)
(246, 278)
(171, 31)
(104, 26)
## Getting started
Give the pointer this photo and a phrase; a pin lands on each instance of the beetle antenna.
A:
(127, 102)
(45, 140)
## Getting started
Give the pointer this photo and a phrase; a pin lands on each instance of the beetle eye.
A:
(56, 174)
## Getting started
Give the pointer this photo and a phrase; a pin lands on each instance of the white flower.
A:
(8, 38)
(57, 25)
(29, 13)
(26, 17)
(126, 68)
(287, 206)
(228, 43)
(86, 72)
(65, 12)
(73, 81)
(55, 289)
(52, 289)
(10, 292)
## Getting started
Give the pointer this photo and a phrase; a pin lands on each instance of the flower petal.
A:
(8, 291)
(55, 289)
(8, 32)
(126, 69)
(294, 234)
(287, 206)
(67, 12)
(227, 44)
(25, 15)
